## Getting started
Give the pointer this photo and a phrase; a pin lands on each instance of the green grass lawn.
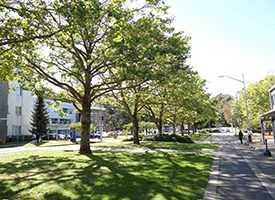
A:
(119, 144)
(34, 144)
(104, 175)
(159, 145)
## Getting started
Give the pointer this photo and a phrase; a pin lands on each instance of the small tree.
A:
(40, 119)
(78, 126)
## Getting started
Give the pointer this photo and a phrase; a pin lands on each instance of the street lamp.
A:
(245, 97)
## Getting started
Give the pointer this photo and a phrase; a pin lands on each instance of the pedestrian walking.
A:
(249, 134)
(241, 136)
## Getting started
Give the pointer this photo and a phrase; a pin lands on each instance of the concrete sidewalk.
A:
(242, 172)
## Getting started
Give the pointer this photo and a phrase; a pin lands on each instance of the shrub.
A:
(170, 138)
(132, 139)
(201, 135)
(164, 138)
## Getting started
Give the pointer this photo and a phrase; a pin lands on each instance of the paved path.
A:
(241, 172)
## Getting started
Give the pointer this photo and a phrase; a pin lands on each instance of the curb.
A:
(210, 192)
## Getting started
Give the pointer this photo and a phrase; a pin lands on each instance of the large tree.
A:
(20, 26)
(161, 52)
(257, 100)
(40, 119)
(220, 102)
(79, 57)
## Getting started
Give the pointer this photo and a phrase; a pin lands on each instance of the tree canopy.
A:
(257, 100)
(71, 45)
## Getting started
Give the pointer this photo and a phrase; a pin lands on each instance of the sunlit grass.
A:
(120, 144)
(34, 144)
(49, 143)
(104, 175)
(159, 145)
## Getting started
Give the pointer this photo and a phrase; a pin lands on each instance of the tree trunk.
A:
(135, 129)
(182, 129)
(189, 128)
(160, 120)
(174, 124)
(174, 128)
(37, 138)
(85, 133)
(159, 125)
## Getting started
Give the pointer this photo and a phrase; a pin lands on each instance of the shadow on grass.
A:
(13, 144)
(175, 145)
(35, 144)
(106, 175)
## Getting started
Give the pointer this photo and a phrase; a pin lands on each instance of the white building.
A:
(61, 124)
(16, 108)
(20, 106)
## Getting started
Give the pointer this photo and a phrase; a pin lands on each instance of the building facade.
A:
(61, 124)
(3, 110)
(270, 115)
(16, 106)
(20, 106)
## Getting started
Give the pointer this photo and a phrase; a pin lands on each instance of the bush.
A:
(132, 139)
(201, 135)
(170, 138)
(164, 138)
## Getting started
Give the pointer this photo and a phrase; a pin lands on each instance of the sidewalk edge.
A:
(210, 192)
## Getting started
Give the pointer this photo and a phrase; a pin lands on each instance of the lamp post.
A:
(245, 97)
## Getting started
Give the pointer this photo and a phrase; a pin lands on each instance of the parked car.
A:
(62, 136)
(95, 135)
(50, 136)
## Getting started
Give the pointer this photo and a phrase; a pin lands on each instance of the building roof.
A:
(272, 88)
(270, 113)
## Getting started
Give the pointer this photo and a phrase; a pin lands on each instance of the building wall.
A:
(17, 106)
(3, 110)
(61, 124)
(20, 110)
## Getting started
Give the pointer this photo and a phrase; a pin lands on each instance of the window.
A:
(62, 121)
(18, 91)
(18, 110)
(65, 110)
(16, 130)
(65, 121)
(54, 121)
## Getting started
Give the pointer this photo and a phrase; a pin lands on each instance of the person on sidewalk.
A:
(241, 136)
(249, 134)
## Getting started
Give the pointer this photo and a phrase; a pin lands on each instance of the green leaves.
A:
(257, 99)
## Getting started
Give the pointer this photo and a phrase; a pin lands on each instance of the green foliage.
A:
(84, 48)
(200, 135)
(223, 107)
(40, 118)
(115, 117)
(142, 125)
(257, 99)
(170, 138)
(127, 50)
(78, 127)
(147, 125)
(128, 126)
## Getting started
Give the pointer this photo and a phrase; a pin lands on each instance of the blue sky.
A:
(228, 37)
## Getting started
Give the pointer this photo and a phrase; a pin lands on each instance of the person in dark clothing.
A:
(241, 136)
